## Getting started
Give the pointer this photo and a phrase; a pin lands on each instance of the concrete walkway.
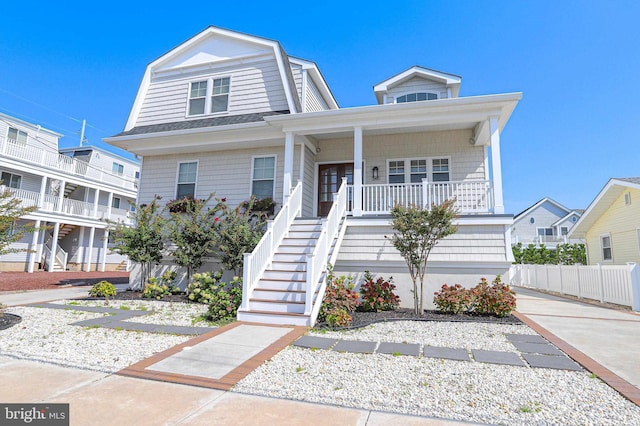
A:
(605, 339)
(15, 298)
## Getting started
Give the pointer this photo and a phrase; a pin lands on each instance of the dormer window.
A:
(17, 136)
(414, 97)
(209, 96)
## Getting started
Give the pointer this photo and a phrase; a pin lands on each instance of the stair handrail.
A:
(60, 255)
(317, 261)
(257, 261)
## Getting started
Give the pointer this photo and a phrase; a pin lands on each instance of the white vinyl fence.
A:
(618, 284)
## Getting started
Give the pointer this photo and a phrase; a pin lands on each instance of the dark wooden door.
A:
(330, 177)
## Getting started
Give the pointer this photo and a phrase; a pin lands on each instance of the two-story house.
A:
(74, 190)
(233, 114)
(546, 222)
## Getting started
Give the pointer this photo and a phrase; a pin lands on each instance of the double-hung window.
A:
(209, 96)
(17, 136)
(545, 234)
(118, 169)
(418, 170)
(115, 203)
(605, 244)
(414, 170)
(263, 177)
(396, 171)
(187, 176)
(11, 180)
(440, 170)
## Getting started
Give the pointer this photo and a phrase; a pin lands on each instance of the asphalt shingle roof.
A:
(202, 122)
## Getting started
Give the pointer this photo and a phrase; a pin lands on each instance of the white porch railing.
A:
(618, 284)
(60, 162)
(257, 261)
(61, 256)
(317, 261)
(471, 196)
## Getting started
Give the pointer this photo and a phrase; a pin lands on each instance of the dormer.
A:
(417, 84)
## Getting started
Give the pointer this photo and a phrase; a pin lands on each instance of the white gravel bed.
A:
(467, 391)
(45, 335)
(160, 313)
(434, 333)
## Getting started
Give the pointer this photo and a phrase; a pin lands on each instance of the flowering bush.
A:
(102, 289)
(495, 299)
(225, 301)
(203, 286)
(339, 301)
(155, 290)
(453, 299)
(378, 295)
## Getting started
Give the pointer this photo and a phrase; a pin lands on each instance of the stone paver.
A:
(528, 338)
(551, 361)
(497, 357)
(399, 348)
(354, 346)
(538, 348)
(313, 342)
(456, 354)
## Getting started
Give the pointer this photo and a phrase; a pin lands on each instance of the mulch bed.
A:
(19, 281)
(137, 295)
(9, 320)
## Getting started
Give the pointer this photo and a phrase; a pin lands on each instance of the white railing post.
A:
(561, 286)
(579, 281)
(601, 281)
(310, 285)
(246, 274)
(634, 273)
(426, 202)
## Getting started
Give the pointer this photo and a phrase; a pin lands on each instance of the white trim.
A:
(303, 90)
(195, 183)
(275, 173)
(638, 235)
(11, 174)
(602, 247)
(316, 177)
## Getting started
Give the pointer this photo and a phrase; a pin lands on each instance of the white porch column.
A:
(357, 171)
(54, 246)
(81, 247)
(496, 166)
(303, 148)
(288, 164)
(109, 205)
(33, 255)
(92, 234)
(43, 188)
(104, 250)
(61, 195)
(95, 202)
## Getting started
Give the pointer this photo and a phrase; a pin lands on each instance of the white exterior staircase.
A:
(284, 277)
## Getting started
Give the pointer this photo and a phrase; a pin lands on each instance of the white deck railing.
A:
(257, 261)
(618, 284)
(317, 261)
(60, 162)
(61, 256)
(471, 196)
(70, 207)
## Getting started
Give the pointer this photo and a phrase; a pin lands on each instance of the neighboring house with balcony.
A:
(233, 114)
(611, 224)
(547, 223)
(75, 189)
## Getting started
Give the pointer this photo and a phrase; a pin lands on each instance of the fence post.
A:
(561, 286)
(546, 274)
(579, 283)
(601, 278)
(634, 273)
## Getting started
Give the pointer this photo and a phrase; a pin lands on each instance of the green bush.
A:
(378, 295)
(225, 301)
(453, 299)
(167, 279)
(154, 290)
(339, 301)
(203, 285)
(495, 299)
(102, 289)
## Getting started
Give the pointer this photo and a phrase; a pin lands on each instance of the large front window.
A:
(18, 136)
(263, 179)
(187, 176)
(414, 170)
(11, 180)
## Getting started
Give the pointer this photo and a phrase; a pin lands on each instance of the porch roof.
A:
(442, 114)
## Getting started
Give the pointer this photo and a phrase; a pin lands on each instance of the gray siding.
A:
(255, 87)
(38, 139)
(417, 84)
(29, 182)
(309, 183)
(296, 70)
(543, 216)
(315, 101)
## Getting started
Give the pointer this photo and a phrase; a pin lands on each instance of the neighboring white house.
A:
(546, 222)
(75, 189)
(233, 114)
(611, 224)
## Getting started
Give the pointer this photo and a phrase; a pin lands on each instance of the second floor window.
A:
(11, 180)
(17, 136)
(115, 203)
(209, 96)
(187, 175)
(414, 97)
(118, 169)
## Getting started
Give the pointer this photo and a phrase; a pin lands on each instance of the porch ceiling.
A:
(395, 130)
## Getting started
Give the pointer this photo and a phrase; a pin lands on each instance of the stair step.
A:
(293, 249)
(294, 266)
(276, 306)
(301, 234)
(289, 257)
(277, 318)
(282, 285)
(284, 275)
(269, 295)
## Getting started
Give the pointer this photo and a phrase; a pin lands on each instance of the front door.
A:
(330, 178)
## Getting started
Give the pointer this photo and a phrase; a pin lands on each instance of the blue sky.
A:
(576, 62)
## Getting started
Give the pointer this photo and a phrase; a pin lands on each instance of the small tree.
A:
(418, 230)
(143, 242)
(239, 231)
(11, 210)
(192, 233)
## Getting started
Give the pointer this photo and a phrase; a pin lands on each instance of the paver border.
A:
(623, 387)
(138, 370)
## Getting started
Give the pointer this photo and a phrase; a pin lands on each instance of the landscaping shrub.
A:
(102, 289)
(453, 299)
(495, 299)
(339, 301)
(203, 285)
(225, 300)
(378, 295)
(167, 279)
(154, 290)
